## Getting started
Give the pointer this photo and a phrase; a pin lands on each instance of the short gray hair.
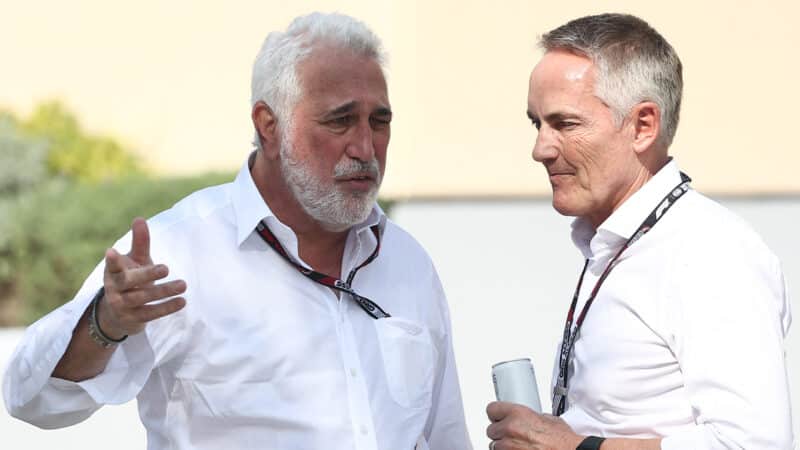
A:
(275, 80)
(634, 64)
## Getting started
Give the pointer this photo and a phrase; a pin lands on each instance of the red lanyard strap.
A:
(370, 307)
(568, 340)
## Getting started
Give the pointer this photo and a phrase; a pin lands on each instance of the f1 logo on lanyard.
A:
(568, 341)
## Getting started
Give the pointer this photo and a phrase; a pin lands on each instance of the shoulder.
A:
(169, 228)
(195, 207)
(720, 261)
(711, 231)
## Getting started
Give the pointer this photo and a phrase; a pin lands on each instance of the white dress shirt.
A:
(262, 357)
(685, 339)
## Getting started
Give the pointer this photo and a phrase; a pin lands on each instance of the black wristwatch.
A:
(591, 443)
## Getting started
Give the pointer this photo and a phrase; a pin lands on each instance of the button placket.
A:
(358, 397)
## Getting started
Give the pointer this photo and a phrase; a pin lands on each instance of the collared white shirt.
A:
(261, 356)
(685, 339)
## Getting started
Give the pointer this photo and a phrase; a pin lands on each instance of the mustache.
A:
(353, 166)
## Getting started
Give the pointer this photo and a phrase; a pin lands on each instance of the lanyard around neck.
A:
(370, 307)
(568, 340)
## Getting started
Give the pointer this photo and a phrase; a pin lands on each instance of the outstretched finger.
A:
(114, 262)
(142, 296)
(140, 245)
(138, 277)
(149, 313)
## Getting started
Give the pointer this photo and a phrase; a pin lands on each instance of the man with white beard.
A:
(282, 310)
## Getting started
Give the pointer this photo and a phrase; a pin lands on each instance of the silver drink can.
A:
(515, 382)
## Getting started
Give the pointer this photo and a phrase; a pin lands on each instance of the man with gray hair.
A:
(280, 311)
(674, 338)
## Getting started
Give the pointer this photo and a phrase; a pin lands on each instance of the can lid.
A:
(510, 361)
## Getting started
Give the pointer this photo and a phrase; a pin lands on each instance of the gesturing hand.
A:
(129, 282)
(516, 427)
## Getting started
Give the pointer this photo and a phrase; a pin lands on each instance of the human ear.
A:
(646, 119)
(266, 125)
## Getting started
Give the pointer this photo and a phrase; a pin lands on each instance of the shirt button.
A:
(364, 429)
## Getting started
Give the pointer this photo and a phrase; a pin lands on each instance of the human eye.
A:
(535, 121)
(380, 121)
(340, 121)
(565, 124)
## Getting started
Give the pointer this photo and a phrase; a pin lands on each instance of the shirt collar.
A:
(250, 208)
(623, 222)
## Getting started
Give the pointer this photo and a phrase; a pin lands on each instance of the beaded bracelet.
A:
(95, 331)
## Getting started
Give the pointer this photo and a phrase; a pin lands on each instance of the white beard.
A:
(327, 204)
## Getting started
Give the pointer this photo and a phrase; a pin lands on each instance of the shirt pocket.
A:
(409, 360)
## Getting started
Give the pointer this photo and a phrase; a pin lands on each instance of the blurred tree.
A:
(22, 158)
(61, 232)
(40, 158)
(74, 153)
(22, 168)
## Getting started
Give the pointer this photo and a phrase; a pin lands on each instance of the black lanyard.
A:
(568, 342)
(370, 307)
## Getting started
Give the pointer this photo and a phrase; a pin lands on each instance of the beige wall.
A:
(172, 80)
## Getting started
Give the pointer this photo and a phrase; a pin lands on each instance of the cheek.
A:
(323, 151)
(588, 155)
(380, 141)
(381, 145)
(320, 142)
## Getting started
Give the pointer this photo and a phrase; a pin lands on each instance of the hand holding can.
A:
(515, 382)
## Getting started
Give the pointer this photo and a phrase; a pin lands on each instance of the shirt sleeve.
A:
(33, 395)
(446, 427)
(731, 316)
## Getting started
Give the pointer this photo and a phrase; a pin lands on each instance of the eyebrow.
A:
(559, 116)
(383, 112)
(350, 106)
(347, 107)
(554, 117)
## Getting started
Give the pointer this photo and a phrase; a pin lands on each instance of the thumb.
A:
(140, 246)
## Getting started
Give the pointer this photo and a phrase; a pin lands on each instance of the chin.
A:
(565, 209)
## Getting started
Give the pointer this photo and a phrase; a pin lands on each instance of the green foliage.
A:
(61, 231)
(22, 167)
(40, 158)
(22, 158)
(74, 153)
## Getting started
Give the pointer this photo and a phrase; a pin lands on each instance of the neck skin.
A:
(319, 247)
(648, 169)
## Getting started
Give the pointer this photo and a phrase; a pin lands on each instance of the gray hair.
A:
(634, 64)
(275, 80)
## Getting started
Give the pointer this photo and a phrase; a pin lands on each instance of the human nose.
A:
(362, 145)
(545, 148)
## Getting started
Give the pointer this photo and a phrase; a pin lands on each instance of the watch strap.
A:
(591, 443)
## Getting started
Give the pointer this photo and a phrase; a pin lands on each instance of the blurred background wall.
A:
(96, 93)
